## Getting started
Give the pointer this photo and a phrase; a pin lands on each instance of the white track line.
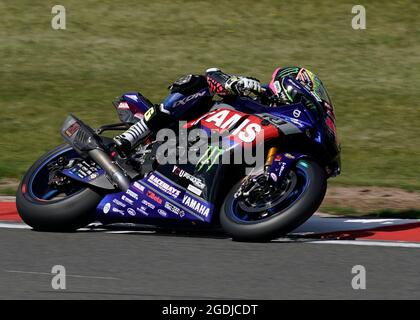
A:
(369, 243)
(14, 225)
(395, 244)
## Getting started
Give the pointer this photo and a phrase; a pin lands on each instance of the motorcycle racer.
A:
(286, 86)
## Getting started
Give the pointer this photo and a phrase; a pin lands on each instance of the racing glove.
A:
(225, 84)
(244, 86)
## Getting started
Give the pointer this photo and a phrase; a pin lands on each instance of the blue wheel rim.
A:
(38, 182)
(301, 170)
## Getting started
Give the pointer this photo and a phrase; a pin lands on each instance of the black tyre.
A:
(46, 208)
(279, 215)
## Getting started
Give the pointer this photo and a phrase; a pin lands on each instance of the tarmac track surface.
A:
(141, 265)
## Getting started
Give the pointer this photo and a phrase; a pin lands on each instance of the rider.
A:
(282, 88)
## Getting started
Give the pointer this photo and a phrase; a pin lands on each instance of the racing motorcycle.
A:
(86, 179)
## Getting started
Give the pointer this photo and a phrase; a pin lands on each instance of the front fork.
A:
(276, 167)
(279, 164)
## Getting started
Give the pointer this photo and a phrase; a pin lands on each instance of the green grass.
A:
(110, 47)
(384, 214)
(8, 191)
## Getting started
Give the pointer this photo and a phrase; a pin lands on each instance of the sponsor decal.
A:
(183, 174)
(283, 165)
(297, 122)
(148, 204)
(93, 176)
(72, 129)
(273, 176)
(118, 211)
(123, 106)
(189, 98)
(165, 187)
(209, 158)
(196, 206)
(138, 186)
(131, 212)
(149, 113)
(296, 113)
(132, 194)
(128, 200)
(119, 203)
(224, 119)
(154, 197)
(163, 213)
(107, 207)
(194, 190)
(174, 209)
(143, 211)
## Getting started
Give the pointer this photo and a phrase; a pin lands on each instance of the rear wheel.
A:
(268, 212)
(49, 202)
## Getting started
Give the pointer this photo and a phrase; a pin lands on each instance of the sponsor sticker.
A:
(183, 174)
(148, 204)
(154, 197)
(132, 194)
(128, 200)
(138, 186)
(289, 156)
(165, 187)
(72, 129)
(93, 176)
(174, 209)
(194, 190)
(163, 213)
(123, 106)
(131, 212)
(119, 203)
(246, 131)
(118, 211)
(143, 211)
(273, 176)
(296, 113)
(283, 165)
(107, 207)
(196, 205)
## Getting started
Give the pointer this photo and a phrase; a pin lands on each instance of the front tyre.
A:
(267, 215)
(48, 207)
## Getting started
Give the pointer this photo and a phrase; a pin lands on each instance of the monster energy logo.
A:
(209, 158)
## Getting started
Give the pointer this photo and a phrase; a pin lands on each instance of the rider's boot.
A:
(132, 137)
(154, 119)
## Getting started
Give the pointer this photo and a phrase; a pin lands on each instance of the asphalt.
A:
(101, 265)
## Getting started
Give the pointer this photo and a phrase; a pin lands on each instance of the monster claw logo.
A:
(209, 158)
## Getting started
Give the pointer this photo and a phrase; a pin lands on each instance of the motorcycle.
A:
(86, 180)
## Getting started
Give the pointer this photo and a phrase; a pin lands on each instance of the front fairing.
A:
(315, 120)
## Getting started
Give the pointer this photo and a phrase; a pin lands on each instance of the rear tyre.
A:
(294, 209)
(67, 211)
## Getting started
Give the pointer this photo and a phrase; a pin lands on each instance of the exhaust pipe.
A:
(113, 171)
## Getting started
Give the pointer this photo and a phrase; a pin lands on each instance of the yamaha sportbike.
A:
(86, 180)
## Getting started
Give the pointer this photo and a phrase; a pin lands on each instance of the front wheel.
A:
(63, 206)
(268, 213)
